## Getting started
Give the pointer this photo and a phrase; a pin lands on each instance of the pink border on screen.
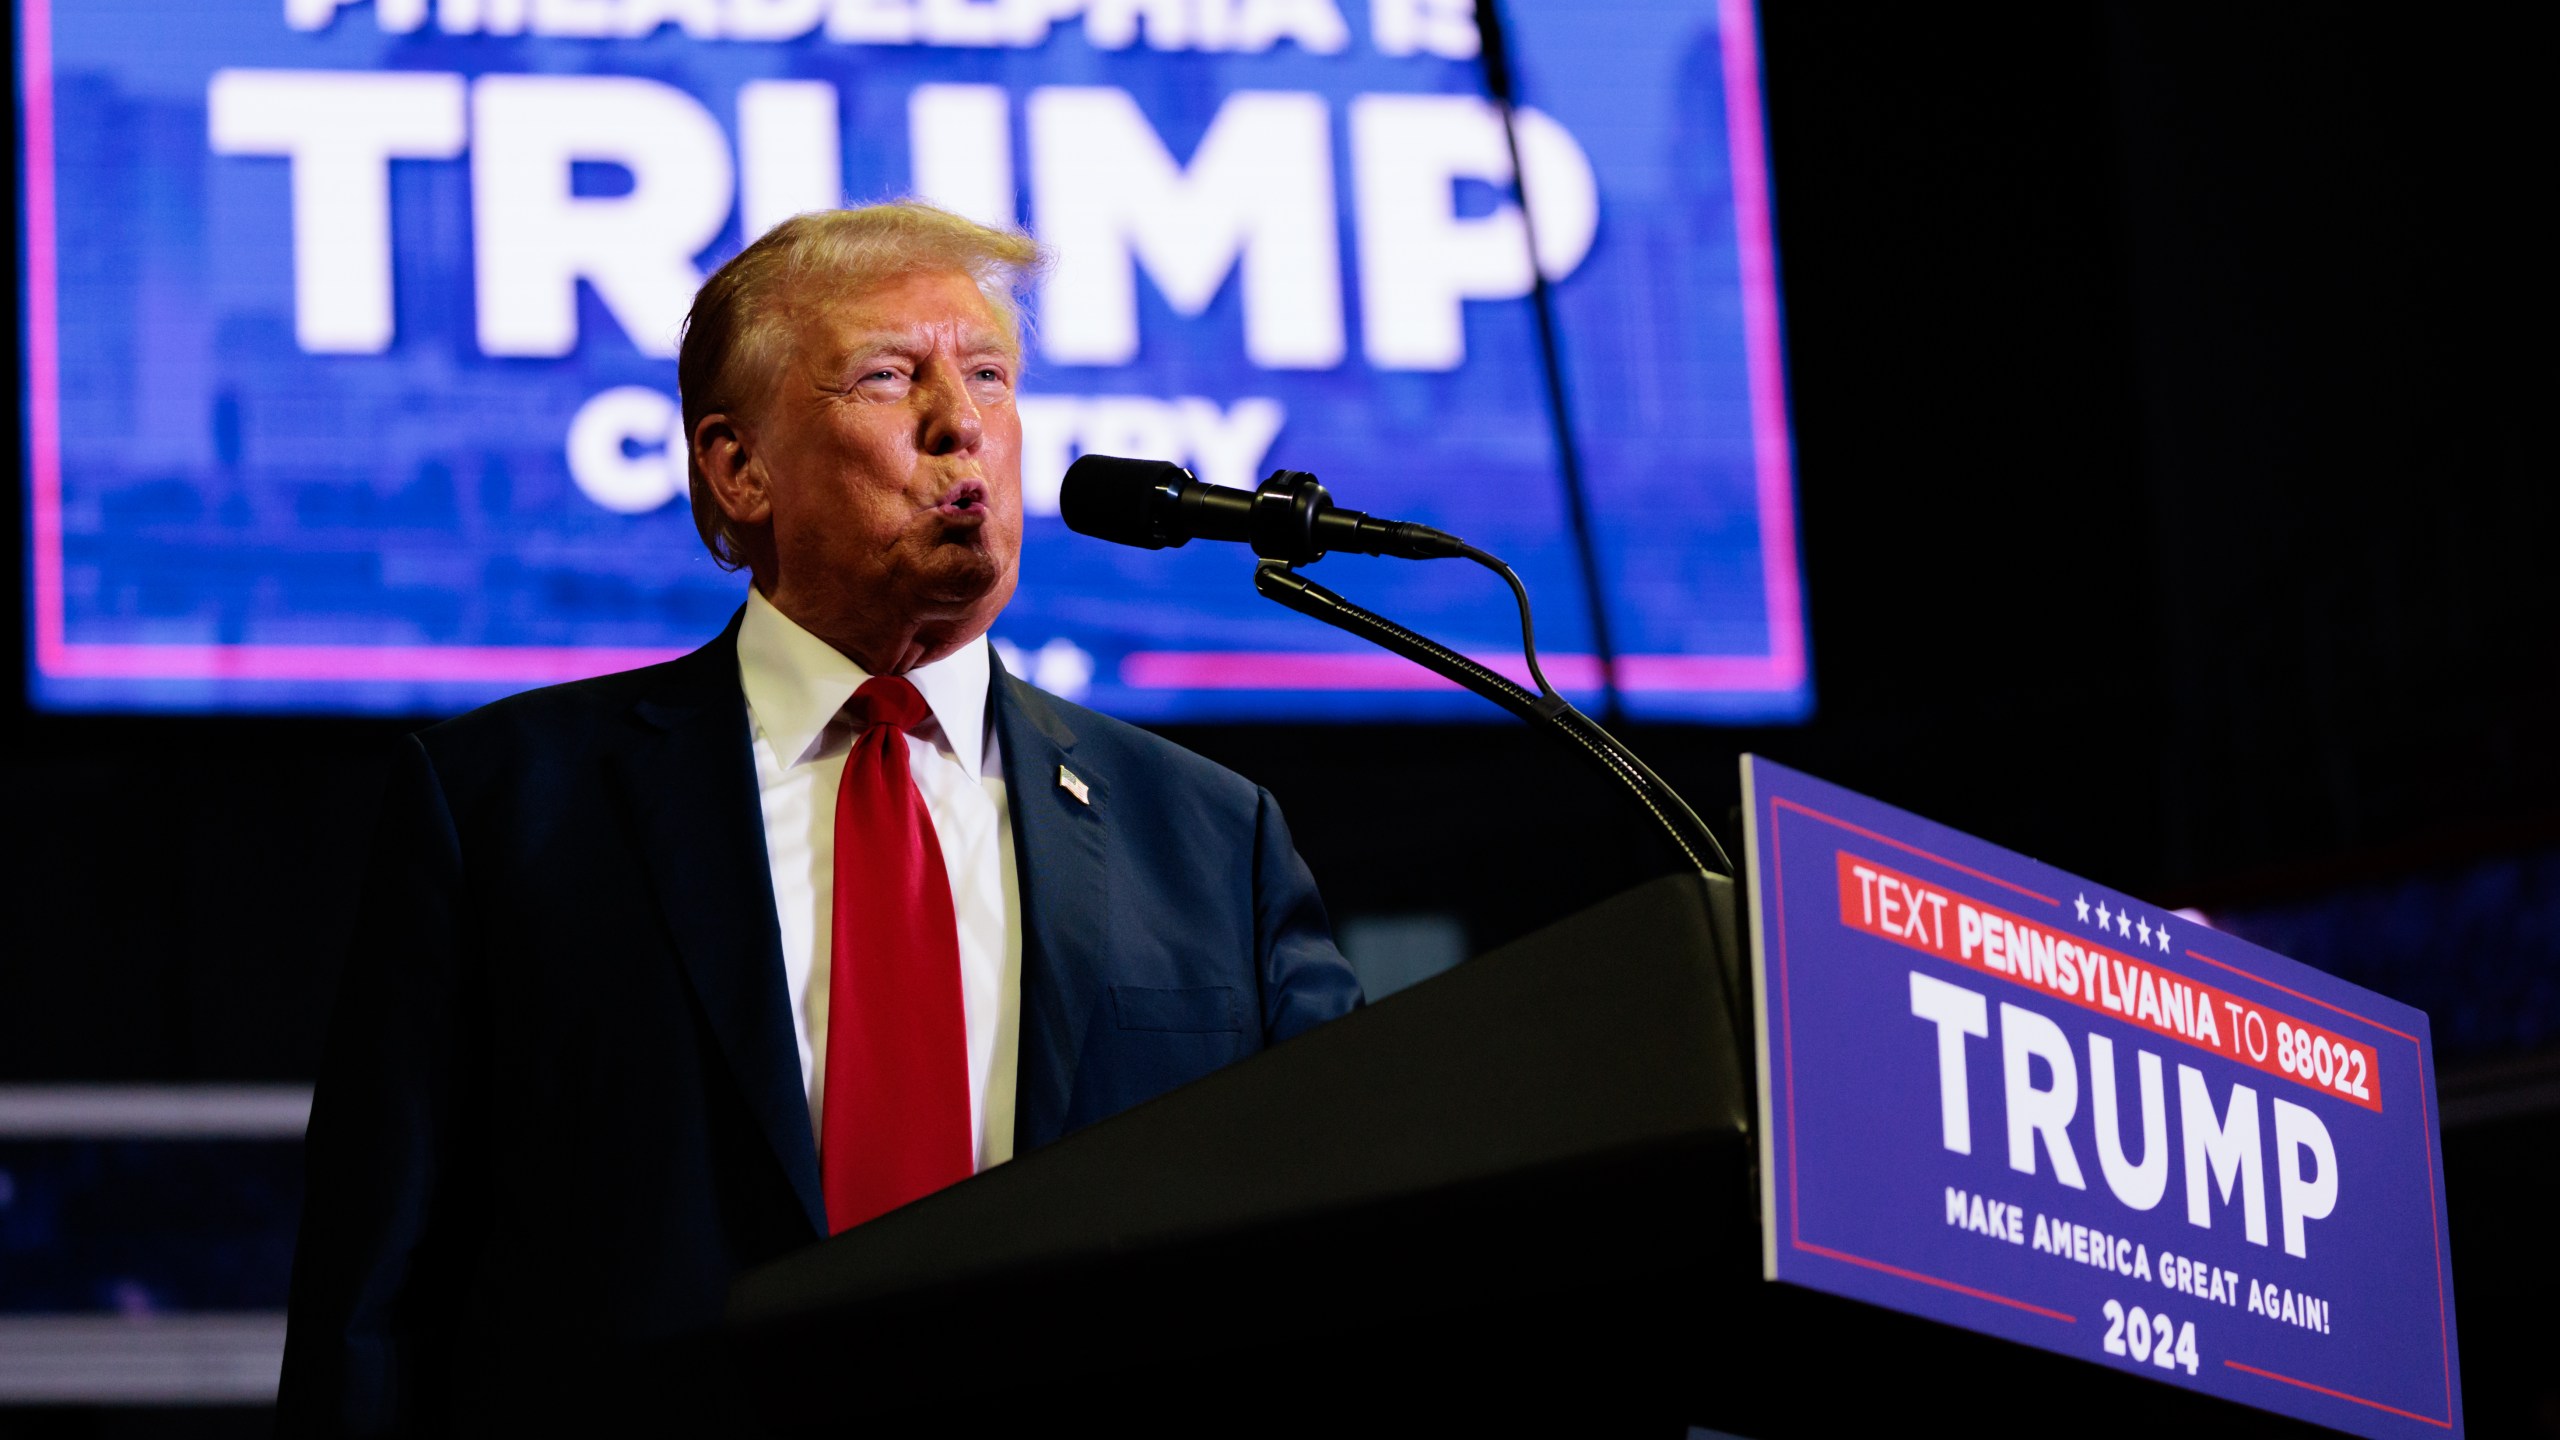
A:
(44, 358)
(1782, 668)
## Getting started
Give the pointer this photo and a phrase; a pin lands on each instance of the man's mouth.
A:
(968, 499)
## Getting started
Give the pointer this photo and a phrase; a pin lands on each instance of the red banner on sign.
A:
(1889, 904)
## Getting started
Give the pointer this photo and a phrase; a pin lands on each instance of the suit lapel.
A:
(1060, 853)
(689, 777)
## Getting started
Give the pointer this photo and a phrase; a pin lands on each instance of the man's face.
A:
(892, 456)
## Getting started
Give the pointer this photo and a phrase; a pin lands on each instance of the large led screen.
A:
(350, 325)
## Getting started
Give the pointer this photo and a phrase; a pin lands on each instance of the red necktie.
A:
(897, 1097)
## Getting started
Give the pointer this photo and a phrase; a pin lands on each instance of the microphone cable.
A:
(1551, 698)
(1281, 581)
(1495, 49)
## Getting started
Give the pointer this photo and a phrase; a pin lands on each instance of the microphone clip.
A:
(1282, 523)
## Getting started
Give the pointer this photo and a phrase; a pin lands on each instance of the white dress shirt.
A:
(797, 686)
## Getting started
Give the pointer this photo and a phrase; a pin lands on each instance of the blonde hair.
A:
(743, 316)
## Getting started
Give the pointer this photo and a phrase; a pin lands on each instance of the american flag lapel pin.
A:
(1074, 785)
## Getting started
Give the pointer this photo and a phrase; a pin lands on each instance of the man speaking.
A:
(661, 975)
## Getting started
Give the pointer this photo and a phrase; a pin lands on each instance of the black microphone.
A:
(1155, 505)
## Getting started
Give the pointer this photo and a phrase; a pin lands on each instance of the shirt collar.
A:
(796, 683)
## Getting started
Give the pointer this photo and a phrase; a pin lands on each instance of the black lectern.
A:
(1517, 1197)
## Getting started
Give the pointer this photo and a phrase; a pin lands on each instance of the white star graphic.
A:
(2124, 922)
(2083, 903)
(2102, 914)
(2143, 927)
(2164, 939)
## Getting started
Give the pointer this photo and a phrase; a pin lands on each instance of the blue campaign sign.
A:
(2008, 1099)
(350, 328)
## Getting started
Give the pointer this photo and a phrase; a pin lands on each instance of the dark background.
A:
(2171, 395)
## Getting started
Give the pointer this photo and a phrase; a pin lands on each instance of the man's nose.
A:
(950, 424)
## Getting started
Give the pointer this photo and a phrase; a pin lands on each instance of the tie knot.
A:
(890, 700)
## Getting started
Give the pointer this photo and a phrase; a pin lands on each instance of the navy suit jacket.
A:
(561, 1107)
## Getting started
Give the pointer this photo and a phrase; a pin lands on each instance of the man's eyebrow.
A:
(899, 342)
(908, 343)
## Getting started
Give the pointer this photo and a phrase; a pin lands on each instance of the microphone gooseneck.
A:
(1291, 521)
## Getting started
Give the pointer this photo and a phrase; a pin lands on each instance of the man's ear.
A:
(733, 468)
